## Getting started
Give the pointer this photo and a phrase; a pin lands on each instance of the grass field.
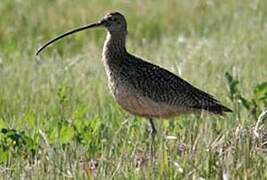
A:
(57, 117)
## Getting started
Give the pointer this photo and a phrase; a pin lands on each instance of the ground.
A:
(58, 120)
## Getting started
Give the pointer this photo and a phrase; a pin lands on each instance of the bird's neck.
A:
(114, 46)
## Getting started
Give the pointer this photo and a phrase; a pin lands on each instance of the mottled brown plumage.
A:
(142, 88)
(145, 89)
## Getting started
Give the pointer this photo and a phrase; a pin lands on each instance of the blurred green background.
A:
(56, 111)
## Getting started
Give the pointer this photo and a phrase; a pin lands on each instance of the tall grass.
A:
(56, 114)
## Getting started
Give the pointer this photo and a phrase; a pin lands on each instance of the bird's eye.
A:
(109, 18)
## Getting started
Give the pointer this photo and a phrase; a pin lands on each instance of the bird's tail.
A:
(217, 109)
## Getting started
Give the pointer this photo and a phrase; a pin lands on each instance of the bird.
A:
(140, 87)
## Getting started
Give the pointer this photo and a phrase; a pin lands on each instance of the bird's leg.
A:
(153, 130)
(153, 134)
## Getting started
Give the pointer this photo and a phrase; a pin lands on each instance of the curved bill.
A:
(97, 24)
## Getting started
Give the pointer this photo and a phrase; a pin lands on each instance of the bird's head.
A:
(114, 22)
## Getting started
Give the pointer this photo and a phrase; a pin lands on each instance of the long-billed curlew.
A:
(142, 88)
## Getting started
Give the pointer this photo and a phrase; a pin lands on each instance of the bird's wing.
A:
(161, 85)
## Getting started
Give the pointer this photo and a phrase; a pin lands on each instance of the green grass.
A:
(56, 114)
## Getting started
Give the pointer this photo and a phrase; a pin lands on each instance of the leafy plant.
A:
(255, 103)
(17, 143)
